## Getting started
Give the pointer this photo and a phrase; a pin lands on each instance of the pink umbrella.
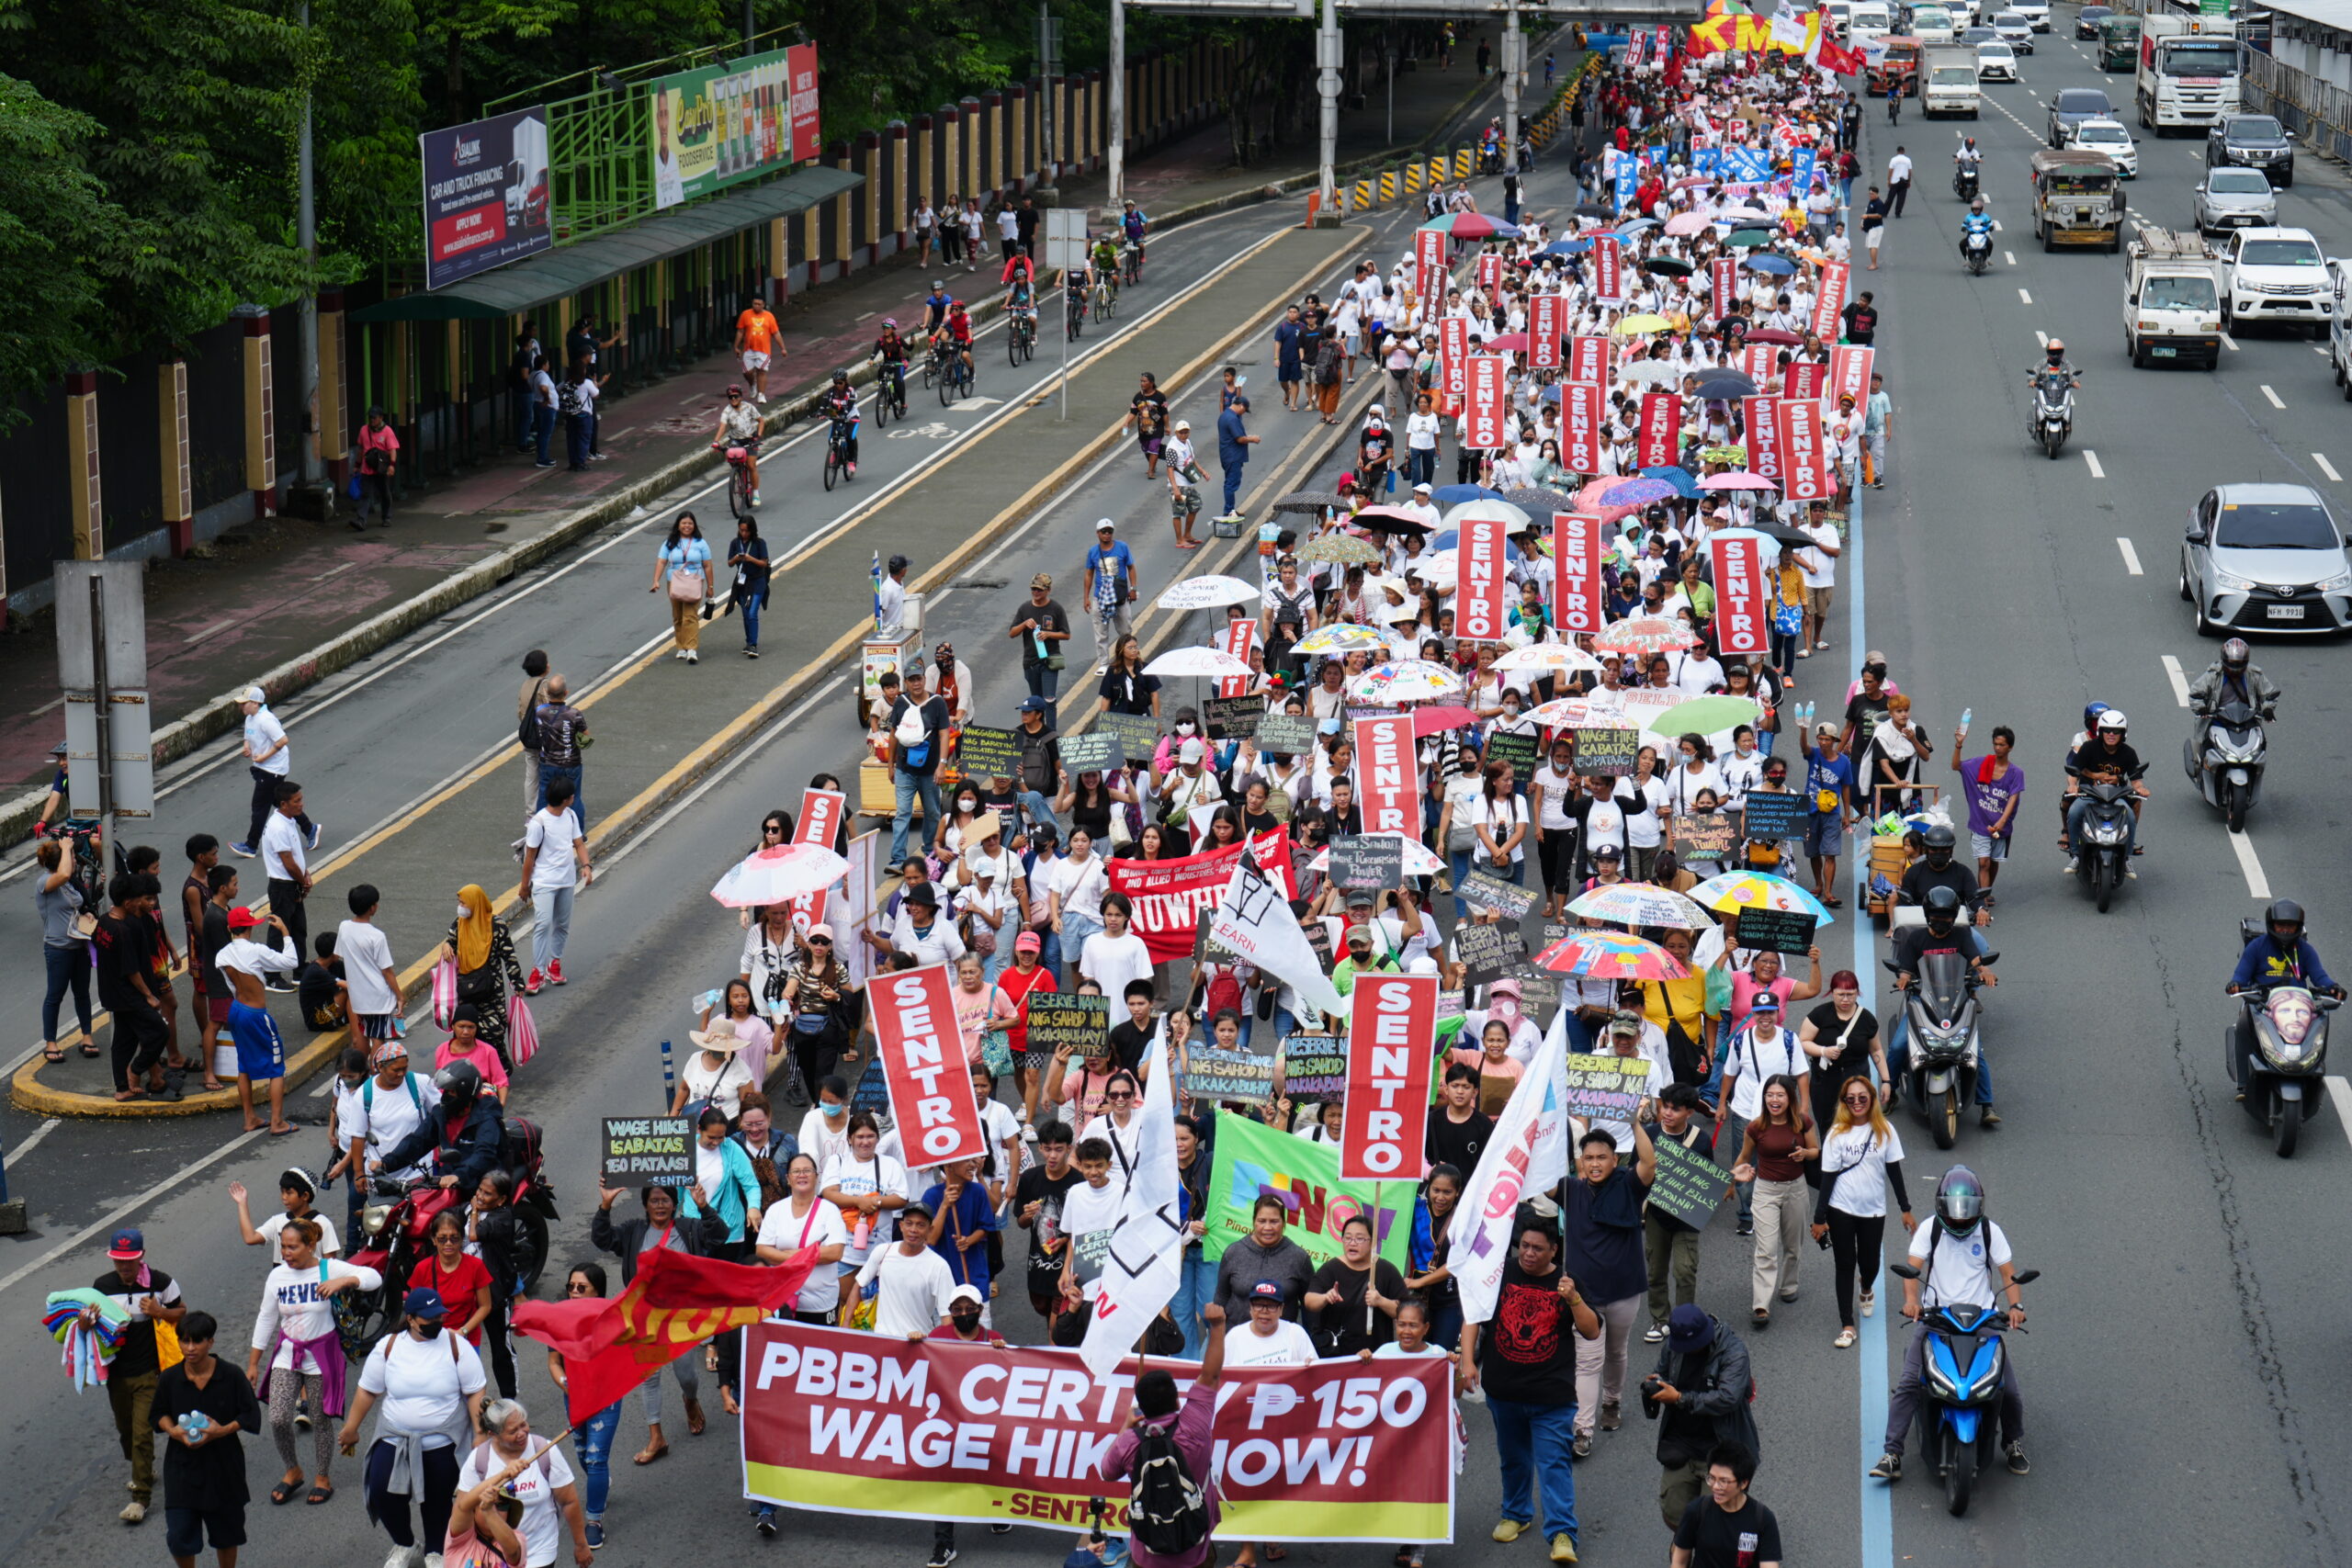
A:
(779, 875)
(1510, 343)
(1690, 223)
(1432, 720)
(1739, 479)
(1589, 501)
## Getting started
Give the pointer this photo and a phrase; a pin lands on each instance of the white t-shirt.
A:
(553, 833)
(384, 1116)
(1111, 961)
(329, 1242)
(262, 732)
(1820, 567)
(1644, 831)
(291, 1305)
(542, 1527)
(1554, 817)
(282, 834)
(1898, 168)
(913, 1298)
(1967, 1267)
(1088, 1208)
(723, 1086)
(1287, 1345)
(366, 952)
(789, 1232)
(1499, 817)
(1755, 1059)
(856, 1179)
(1857, 1164)
(1080, 885)
(821, 1142)
(422, 1385)
(1683, 787)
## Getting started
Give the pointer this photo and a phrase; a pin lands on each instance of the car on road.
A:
(1976, 35)
(2036, 12)
(2274, 275)
(2012, 29)
(2233, 199)
(2106, 136)
(1996, 61)
(2070, 105)
(2264, 558)
(1933, 24)
(2087, 19)
(2250, 142)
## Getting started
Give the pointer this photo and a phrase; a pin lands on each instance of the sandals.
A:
(284, 1491)
(1846, 1340)
(694, 1418)
(320, 1495)
(52, 1054)
(89, 1050)
(1830, 900)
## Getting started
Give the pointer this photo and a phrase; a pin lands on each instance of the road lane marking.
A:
(2180, 681)
(2131, 555)
(2026, 299)
(114, 1215)
(43, 1131)
(2340, 1092)
(2042, 337)
(2273, 397)
(2011, 257)
(2229, 342)
(2092, 458)
(2327, 467)
(2257, 885)
(1997, 225)
(718, 775)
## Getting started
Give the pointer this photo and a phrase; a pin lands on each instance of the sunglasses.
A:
(1857, 1099)
(820, 942)
(772, 827)
(579, 1288)
(1118, 1094)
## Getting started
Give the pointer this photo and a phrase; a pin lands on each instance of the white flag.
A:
(1255, 921)
(1146, 1257)
(1525, 1156)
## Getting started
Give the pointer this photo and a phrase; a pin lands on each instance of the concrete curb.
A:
(36, 1098)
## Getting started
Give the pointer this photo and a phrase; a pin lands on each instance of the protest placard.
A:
(1083, 1023)
(1486, 951)
(1368, 860)
(1606, 1089)
(985, 752)
(1484, 891)
(1244, 1075)
(1315, 1066)
(1539, 988)
(1251, 1159)
(1688, 1184)
(1090, 752)
(1767, 815)
(1610, 753)
(922, 1051)
(1704, 834)
(1233, 719)
(1519, 750)
(1391, 1035)
(1775, 931)
(642, 1149)
(872, 1094)
(1138, 734)
(1086, 1251)
(1285, 734)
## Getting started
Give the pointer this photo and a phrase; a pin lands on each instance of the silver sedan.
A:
(2234, 198)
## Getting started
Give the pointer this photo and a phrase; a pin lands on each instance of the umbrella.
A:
(1737, 479)
(1748, 238)
(1206, 593)
(778, 874)
(1449, 495)
(1344, 548)
(1310, 501)
(1643, 322)
(1780, 532)
(1652, 371)
(1431, 718)
(1638, 492)
(1706, 716)
(1560, 657)
(1636, 225)
(1778, 266)
(1640, 903)
(1684, 485)
(1494, 511)
(1719, 383)
(1773, 334)
(1389, 520)
(1566, 248)
(1591, 209)
(1688, 223)
(1472, 226)
(1737, 214)
(1538, 502)
(1611, 956)
(1199, 662)
(1578, 713)
(1646, 634)
(1668, 267)
(1341, 636)
(1446, 544)
(1723, 453)
(1404, 680)
(1418, 859)
(1550, 394)
(1510, 343)
(1735, 890)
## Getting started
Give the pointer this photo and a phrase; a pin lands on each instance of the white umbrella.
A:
(1555, 656)
(779, 875)
(1483, 511)
(1419, 859)
(1203, 664)
(1206, 593)
(1405, 681)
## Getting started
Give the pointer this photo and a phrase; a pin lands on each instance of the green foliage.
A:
(58, 242)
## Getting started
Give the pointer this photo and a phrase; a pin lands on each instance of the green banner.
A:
(1252, 1157)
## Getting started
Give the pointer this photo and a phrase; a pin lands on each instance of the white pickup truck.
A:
(1948, 81)
(2172, 300)
(2276, 275)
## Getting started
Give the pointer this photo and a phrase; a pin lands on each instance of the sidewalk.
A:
(287, 602)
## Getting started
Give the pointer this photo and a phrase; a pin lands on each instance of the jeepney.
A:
(2077, 199)
(2119, 44)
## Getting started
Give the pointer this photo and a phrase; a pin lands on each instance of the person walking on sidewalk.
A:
(1233, 444)
(755, 339)
(682, 565)
(951, 231)
(926, 225)
(562, 730)
(1111, 587)
(1873, 228)
(1008, 230)
(268, 758)
(379, 451)
(527, 733)
(543, 411)
(555, 860)
(148, 1296)
(524, 360)
(747, 570)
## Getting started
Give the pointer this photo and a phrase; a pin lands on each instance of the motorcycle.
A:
(2224, 760)
(1976, 250)
(2277, 1055)
(2101, 855)
(1961, 1388)
(2053, 411)
(1944, 1025)
(1965, 178)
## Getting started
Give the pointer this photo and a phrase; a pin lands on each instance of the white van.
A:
(1868, 19)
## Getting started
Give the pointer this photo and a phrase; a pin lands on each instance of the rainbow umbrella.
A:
(1405, 681)
(1646, 634)
(1611, 956)
(1640, 903)
(1735, 890)
(1341, 636)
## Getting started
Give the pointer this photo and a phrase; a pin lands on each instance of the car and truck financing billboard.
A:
(718, 124)
(485, 195)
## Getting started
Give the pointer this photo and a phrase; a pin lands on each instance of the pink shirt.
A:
(485, 1061)
(1744, 990)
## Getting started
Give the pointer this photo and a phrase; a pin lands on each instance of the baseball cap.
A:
(1265, 1290)
(822, 928)
(916, 1207)
(1766, 1001)
(1028, 941)
(126, 1244)
(1043, 580)
(1033, 705)
(423, 1301)
(252, 694)
(1191, 751)
(1690, 1328)
(1360, 898)
(1607, 851)
(967, 1293)
(243, 920)
(1359, 934)
(1104, 526)
(1625, 1023)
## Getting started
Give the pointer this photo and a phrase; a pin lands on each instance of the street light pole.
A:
(306, 238)
(1328, 47)
(1514, 62)
(1115, 148)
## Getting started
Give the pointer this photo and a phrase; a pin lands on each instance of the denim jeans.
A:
(543, 432)
(909, 786)
(1233, 486)
(1046, 683)
(1075, 929)
(2080, 808)
(69, 967)
(575, 440)
(750, 608)
(552, 907)
(595, 1445)
(524, 403)
(1532, 1440)
(549, 775)
(1196, 1288)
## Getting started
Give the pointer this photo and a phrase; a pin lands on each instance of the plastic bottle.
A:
(1965, 715)
(863, 1235)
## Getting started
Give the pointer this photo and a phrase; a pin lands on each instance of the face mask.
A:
(833, 1111)
(965, 1322)
(428, 1330)
(1183, 729)
(463, 911)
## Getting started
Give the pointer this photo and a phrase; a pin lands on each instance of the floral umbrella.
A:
(1341, 636)
(779, 875)
(1638, 492)
(1345, 548)
(1611, 956)
(1646, 634)
(1735, 890)
(1559, 656)
(1206, 593)
(1405, 681)
(1640, 903)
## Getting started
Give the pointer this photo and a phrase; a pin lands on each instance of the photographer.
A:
(1698, 1396)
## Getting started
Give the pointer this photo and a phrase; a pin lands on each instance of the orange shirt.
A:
(758, 328)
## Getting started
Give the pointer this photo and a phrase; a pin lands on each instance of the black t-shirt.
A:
(124, 950)
(1457, 1143)
(1865, 712)
(314, 985)
(2095, 758)
(1861, 320)
(1050, 616)
(1854, 1061)
(1128, 1044)
(1527, 1355)
(935, 719)
(1045, 1240)
(1352, 1323)
(1150, 411)
(1718, 1539)
(136, 1354)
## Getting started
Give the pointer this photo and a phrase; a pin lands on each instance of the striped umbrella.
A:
(1735, 890)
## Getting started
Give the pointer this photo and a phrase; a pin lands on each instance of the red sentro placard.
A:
(1579, 588)
(923, 1063)
(1391, 1026)
(1386, 782)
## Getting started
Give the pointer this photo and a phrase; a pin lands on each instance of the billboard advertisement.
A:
(719, 124)
(485, 195)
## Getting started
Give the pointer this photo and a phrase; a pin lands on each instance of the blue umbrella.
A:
(1684, 485)
(1636, 225)
(1566, 248)
(1779, 267)
(1637, 492)
(1453, 495)
(1550, 394)
(1451, 538)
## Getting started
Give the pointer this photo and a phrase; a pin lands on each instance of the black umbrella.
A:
(1726, 384)
(1668, 267)
(1591, 209)
(1540, 503)
(1310, 501)
(1781, 532)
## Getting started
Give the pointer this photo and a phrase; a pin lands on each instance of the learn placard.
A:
(1058, 1018)
(648, 1149)
(1606, 1089)
(1775, 931)
(1688, 1184)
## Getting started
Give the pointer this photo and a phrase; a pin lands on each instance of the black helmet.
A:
(1940, 843)
(841, 377)
(459, 1083)
(1959, 1200)
(2236, 655)
(1944, 907)
(2284, 913)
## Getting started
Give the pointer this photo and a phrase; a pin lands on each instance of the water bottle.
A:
(863, 1233)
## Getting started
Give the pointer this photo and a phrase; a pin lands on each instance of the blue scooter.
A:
(1961, 1378)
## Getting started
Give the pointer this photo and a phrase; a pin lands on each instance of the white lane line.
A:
(2179, 681)
(2042, 337)
(2011, 257)
(2229, 342)
(2131, 555)
(202, 632)
(2327, 467)
(1997, 225)
(2257, 885)
(121, 1210)
(2024, 298)
(32, 1138)
(2097, 472)
(2273, 397)
(2339, 1091)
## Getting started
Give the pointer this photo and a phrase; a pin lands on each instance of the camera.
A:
(1096, 1535)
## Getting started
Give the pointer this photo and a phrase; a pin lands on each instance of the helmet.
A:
(1940, 841)
(2055, 347)
(2090, 717)
(954, 306)
(2284, 913)
(841, 377)
(1959, 1200)
(733, 390)
(890, 323)
(1971, 141)
(2236, 655)
(1977, 205)
(1944, 907)
(458, 1082)
(939, 286)
(2112, 721)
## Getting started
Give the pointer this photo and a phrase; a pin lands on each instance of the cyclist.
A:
(739, 426)
(892, 350)
(1134, 222)
(1018, 267)
(957, 329)
(1104, 255)
(1076, 283)
(1021, 290)
(839, 402)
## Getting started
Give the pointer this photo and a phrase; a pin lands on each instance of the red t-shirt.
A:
(456, 1286)
(1016, 986)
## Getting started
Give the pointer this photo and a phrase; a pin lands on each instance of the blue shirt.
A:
(1109, 571)
(686, 555)
(1229, 432)
(1836, 775)
(971, 1215)
(2265, 962)
(1286, 336)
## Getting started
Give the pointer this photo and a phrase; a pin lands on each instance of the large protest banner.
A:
(1252, 1158)
(845, 1422)
(1169, 895)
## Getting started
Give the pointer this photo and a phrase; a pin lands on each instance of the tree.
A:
(58, 245)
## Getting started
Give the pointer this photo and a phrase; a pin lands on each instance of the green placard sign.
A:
(1254, 1158)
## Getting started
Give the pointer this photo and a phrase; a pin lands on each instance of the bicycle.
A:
(1132, 258)
(740, 493)
(1020, 337)
(955, 378)
(889, 394)
(837, 449)
(1106, 298)
(930, 362)
(1076, 314)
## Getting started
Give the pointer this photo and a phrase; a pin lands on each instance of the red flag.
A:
(1453, 346)
(1391, 1027)
(1742, 624)
(1580, 405)
(1580, 587)
(1548, 316)
(1484, 430)
(1428, 264)
(1763, 430)
(610, 1345)
(1661, 429)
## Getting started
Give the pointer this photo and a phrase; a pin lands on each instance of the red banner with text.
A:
(1723, 276)
(1742, 623)
(1547, 320)
(1579, 581)
(1387, 782)
(1588, 361)
(1481, 604)
(1240, 637)
(923, 1063)
(1850, 375)
(1763, 436)
(1453, 344)
(1608, 268)
(1804, 462)
(1661, 429)
(1806, 379)
(820, 822)
(1829, 304)
(1485, 425)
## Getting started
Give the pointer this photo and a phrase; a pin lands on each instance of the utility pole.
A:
(1514, 65)
(1049, 71)
(1329, 46)
(1114, 153)
(306, 237)
(750, 29)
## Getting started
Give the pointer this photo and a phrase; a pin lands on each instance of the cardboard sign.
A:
(1806, 379)
(1805, 457)
(1722, 280)
(1370, 860)
(1521, 751)
(1743, 601)
(1090, 752)
(1704, 834)
(1609, 262)
(1386, 787)
(1486, 426)
(1767, 815)
(1138, 734)
(1547, 320)
(983, 752)
(648, 1149)
(1829, 304)
(1689, 1185)
(1453, 345)
(922, 1059)
(1058, 1018)
(1488, 893)
(1610, 753)
(1757, 418)
(1480, 607)
(1285, 734)
(1775, 931)
(1607, 1089)
(1244, 1075)
(1661, 433)
(1581, 405)
(1589, 364)
(1486, 951)
(1579, 585)
(1233, 719)
(1392, 1034)
(1315, 1066)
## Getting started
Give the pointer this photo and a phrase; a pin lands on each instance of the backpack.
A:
(527, 733)
(408, 1081)
(540, 1464)
(1225, 991)
(566, 400)
(1166, 1513)
(913, 735)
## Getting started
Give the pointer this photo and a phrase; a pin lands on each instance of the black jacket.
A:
(626, 1239)
(470, 1152)
(1716, 1410)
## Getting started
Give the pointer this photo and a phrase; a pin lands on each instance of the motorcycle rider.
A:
(1941, 934)
(2233, 678)
(1957, 1254)
(465, 1133)
(2053, 362)
(1939, 868)
(1977, 221)
(1965, 162)
(2281, 955)
(2106, 756)
(839, 402)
